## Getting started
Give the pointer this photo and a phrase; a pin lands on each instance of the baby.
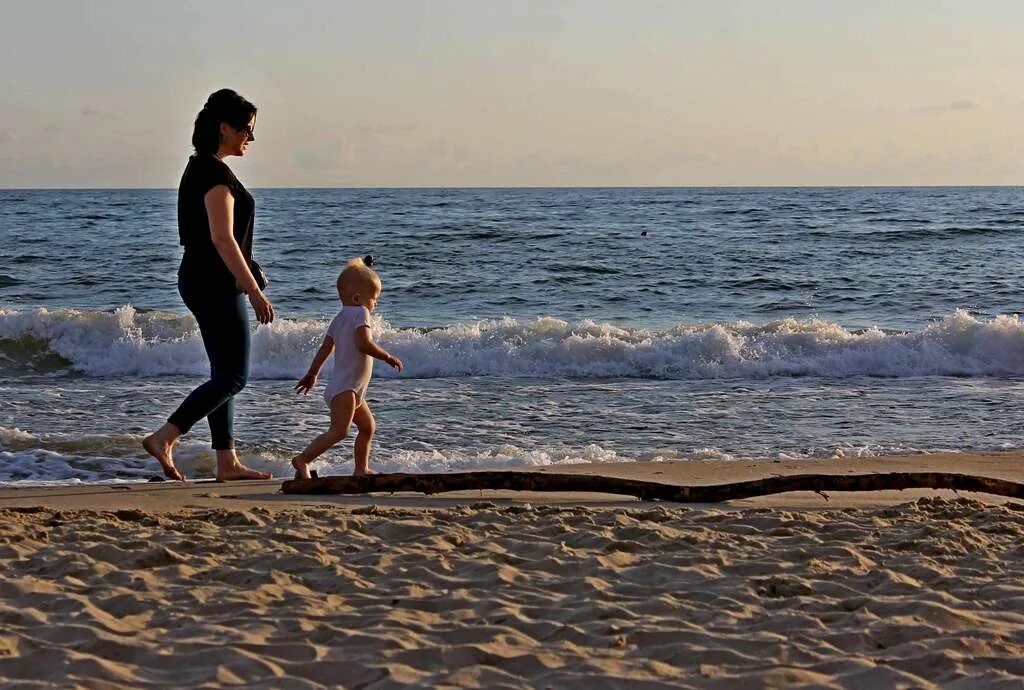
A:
(349, 338)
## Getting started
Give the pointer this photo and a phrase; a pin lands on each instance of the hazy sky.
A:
(103, 93)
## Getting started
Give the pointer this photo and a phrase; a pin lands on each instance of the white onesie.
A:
(352, 368)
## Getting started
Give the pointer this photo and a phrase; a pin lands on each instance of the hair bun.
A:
(368, 260)
(222, 97)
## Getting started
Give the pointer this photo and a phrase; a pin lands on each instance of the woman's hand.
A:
(394, 362)
(305, 384)
(262, 306)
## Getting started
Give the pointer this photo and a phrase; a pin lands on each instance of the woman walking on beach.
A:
(215, 225)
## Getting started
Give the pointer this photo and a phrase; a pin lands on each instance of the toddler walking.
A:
(349, 338)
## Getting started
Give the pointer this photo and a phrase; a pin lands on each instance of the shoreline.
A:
(172, 496)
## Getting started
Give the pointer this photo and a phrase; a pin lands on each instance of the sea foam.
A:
(29, 459)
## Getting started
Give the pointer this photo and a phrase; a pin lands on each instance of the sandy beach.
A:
(625, 265)
(201, 585)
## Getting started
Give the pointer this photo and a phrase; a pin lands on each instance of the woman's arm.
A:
(365, 344)
(220, 209)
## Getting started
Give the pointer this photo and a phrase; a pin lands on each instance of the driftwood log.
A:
(649, 491)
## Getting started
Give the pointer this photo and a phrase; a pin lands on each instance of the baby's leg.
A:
(364, 421)
(342, 408)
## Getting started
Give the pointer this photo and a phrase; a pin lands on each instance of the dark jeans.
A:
(224, 324)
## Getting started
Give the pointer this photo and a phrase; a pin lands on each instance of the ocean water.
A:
(538, 326)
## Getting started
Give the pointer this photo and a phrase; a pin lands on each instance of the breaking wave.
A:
(127, 342)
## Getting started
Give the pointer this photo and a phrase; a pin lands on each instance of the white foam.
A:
(14, 435)
(128, 343)
(62, 459)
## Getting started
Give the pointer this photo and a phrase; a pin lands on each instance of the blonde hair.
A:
(356, 276)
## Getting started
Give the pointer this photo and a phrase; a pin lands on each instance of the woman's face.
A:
(236, 141)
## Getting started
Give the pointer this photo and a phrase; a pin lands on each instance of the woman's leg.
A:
(229, 467)
(224, 326)
(222, 425)
(231, 364)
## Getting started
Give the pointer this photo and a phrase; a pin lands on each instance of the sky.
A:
(497, 93)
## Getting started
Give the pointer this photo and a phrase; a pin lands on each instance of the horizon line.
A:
(532, 187)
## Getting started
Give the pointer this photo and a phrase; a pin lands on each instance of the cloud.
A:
(87, 111)
(385, 129)
(952, 106)
(324, 158)
(328, 156)
(6, 137)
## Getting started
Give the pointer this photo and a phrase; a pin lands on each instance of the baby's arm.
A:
(306, 383)
(364, 341)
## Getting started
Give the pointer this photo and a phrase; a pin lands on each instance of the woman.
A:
(215, 223)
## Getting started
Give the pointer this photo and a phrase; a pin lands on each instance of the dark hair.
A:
(222, 106)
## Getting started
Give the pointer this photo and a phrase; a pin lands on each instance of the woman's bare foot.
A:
(239, 471)
(362, 473)
(301, 469)
(162, 449)
(230, 469)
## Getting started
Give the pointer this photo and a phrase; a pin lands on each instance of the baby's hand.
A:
(395, 362)
(305, 384)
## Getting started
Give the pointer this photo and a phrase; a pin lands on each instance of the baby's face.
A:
(370, 300)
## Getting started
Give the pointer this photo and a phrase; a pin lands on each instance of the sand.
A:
(205, 585)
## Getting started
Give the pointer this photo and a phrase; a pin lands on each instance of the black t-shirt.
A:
(201, 265)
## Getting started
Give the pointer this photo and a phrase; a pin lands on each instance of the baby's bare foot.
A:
(163, 453)
(301, 469)
(238, 471)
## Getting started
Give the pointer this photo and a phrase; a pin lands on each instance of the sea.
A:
(537, 326)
